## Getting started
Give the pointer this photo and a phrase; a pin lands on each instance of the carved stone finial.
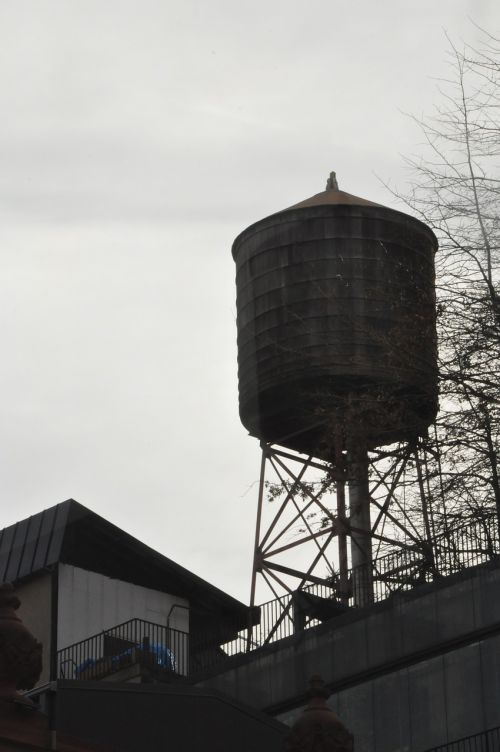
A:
(20, 653)
(317, 688)
(318, 729)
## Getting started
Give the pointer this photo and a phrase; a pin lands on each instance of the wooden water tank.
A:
(336, 322)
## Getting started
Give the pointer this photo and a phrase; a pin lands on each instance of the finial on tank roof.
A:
(331, 183)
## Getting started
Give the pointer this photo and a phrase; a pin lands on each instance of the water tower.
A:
(336, 359)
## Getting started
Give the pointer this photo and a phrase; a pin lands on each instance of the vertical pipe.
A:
(53, 664)
(54, 619)
(359, 521)
(342, 535)
(429, 553)
(256, 554)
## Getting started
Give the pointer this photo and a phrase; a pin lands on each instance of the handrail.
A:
(484, 741)
(460, 548)
(163, 649)
(403, 570)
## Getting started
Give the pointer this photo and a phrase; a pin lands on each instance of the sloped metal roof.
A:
(73, 534)
(33, 544)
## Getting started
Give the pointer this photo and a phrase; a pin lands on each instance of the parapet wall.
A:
(413, 672)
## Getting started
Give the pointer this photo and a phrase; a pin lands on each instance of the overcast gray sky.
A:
(137, 139)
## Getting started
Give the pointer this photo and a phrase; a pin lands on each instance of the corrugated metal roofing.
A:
(32, 544)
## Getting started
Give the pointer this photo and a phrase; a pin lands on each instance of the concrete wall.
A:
(90, 602)
(161, 717)
(407, 674)
(35, 612)
(424, 705)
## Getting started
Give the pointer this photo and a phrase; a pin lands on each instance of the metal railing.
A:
(175, 653)
(486, 741)
(466, 546)
(158, 648)
(399, 571)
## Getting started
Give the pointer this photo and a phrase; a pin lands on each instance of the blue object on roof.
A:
(163, 658)
(87, 663)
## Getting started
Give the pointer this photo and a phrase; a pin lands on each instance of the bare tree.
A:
(456, 190)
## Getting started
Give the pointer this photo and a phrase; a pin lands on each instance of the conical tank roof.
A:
(333, 196)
